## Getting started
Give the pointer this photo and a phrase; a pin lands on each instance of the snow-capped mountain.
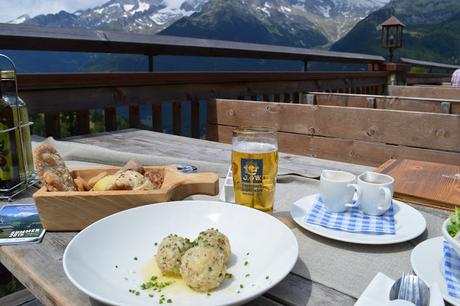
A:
(331, 18)
(336, 17)
(142, 16)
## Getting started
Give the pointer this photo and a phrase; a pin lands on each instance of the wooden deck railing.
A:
(54, 93)
(78, 93)
(430, 65)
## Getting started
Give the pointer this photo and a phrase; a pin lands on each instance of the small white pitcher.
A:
(337, 189)
(376, 193)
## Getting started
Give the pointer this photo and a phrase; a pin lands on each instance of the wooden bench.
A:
(437, 92)
(349, 134)
(432, 105)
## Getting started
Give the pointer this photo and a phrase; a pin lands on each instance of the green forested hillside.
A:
(431, 31)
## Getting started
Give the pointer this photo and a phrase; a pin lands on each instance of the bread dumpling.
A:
(203, 268)
(213, 238)
(170, 252)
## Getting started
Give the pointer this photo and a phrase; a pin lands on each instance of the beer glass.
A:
(254, 167)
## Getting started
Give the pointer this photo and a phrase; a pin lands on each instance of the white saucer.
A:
(427, 262)
(409, 223)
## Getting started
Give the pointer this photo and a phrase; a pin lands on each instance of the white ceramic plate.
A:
(427, 262)
(408, 221)
(267, 245)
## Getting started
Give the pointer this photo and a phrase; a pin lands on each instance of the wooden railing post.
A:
(53, 124)
(110, 118)
(177, 118)
(83, 122)
(397, 73)
(134, 116)
(195, 117)
(157, 117)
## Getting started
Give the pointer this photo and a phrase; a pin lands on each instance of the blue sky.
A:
(11, 9)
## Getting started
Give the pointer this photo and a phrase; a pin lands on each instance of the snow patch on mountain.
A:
(128, 7)
(142, 7)
(20, 19)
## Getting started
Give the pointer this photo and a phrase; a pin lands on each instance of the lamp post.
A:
(392, 35)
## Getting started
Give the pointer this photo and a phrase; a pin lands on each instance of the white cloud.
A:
(11, 9)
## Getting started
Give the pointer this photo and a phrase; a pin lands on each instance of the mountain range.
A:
(340, 25)
(298, 22)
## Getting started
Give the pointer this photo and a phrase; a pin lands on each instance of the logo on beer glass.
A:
(252, 170)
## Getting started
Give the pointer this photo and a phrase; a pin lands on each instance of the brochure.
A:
(20, 223)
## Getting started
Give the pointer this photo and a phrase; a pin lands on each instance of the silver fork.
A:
(411, 288)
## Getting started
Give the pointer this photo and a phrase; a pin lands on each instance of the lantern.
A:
(392, 34)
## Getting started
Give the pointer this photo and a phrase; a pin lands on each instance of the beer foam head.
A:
(254, 147)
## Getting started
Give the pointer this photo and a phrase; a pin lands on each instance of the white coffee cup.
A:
(376, 193)
(337, 189)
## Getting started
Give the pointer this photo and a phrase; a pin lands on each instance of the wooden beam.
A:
(345, 150)
(48, 93)
(416, 129)
(389, 102)
(436, 92)
(26, 37)
(39, 81)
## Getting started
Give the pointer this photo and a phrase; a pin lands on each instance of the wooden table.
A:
(327, 272)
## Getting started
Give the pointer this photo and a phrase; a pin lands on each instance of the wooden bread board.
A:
(75, 210)
(424, 183)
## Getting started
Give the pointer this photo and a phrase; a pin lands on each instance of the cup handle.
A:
(358, 193)
(387, 202)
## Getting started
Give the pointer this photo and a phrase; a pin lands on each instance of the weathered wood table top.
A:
(327, 272)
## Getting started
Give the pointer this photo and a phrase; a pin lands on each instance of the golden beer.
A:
(254, 167)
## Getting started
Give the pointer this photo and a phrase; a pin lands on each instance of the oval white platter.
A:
(409, 223)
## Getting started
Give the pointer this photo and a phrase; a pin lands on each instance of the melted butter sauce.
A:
(178, 285)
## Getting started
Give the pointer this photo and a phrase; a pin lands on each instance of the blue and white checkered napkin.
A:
(452, 270)
(353, 220)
